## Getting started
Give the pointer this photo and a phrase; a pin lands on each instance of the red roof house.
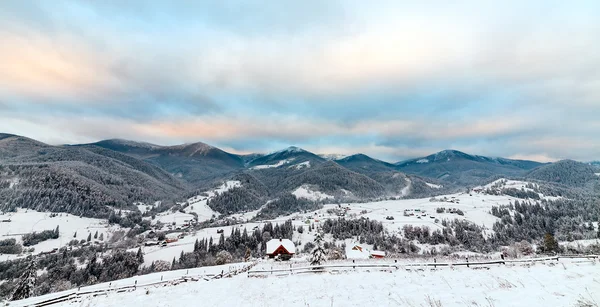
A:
(283, 248)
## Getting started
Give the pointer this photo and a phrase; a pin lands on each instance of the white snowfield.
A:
(307, 192)
(26, 221)
(141, 282)
(435, 186)
(516, 184)
(553, 283)
(278, 164)
(198, 204)
(475, 207)
(305, 164)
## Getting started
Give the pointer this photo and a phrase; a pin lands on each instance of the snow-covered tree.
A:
(26, 283)
(318, 253)
(223, 257)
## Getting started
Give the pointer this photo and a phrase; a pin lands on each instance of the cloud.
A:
(391, 79)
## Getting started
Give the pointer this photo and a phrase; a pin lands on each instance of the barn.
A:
(282, 248)
(377, 254)
(356, 251)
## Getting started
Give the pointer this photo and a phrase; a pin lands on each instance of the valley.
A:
(115, 210)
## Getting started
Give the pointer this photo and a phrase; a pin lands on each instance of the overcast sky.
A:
(517, 79)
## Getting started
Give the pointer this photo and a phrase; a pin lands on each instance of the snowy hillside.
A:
(70, 228)
(551, 283)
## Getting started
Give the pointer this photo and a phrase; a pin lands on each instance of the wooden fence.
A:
(398, 265)
(73, 295)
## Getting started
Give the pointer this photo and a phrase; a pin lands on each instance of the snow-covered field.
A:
(26, 221)
(139, 281)
(515, 184)
(476, 209)
(567, 283)
(278, 164)
(197, 204)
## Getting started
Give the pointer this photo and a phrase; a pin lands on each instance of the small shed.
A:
(284, 248)
(377, 254)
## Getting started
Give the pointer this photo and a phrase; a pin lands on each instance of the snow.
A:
(435, 186)
(597, 174)
(515, 184)
(274, 244)
(15, 181)
(198, 204)
(26, 221)
(170, 218)
(406, 189)
(542, 284)
(305, 164)
(332, 156)
(278, 164)
(357, 251)
(140, 281)
(305, 191)
(505, 183)
(423, 161)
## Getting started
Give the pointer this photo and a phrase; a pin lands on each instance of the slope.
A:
(461, 168)
(567, 172)
(82, 181)
(193, 163)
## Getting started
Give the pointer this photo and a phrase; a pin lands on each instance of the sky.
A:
(391, 79)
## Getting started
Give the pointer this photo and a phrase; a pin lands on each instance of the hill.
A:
(567, 172)
(464, 169)
(82, 181)
(193, 163)
(364, 164)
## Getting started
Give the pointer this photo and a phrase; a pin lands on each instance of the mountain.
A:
(14, 145)
(79, 180)
(286, 157)
(461, 168)
(567, 172)
(333, 179)
(331, 157)
(193, 163)
(364, 164)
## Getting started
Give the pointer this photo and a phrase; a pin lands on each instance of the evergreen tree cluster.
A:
(34, 238)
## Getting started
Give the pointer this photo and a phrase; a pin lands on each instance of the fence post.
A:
(434, 263)
(467, 261)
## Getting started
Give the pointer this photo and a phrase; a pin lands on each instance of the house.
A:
(282, 248)
(357, 252)
(377, 254)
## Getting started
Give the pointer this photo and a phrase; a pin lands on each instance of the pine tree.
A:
(75, 235)
(96, 235)
(26, 283)
(101, 238)
(140, 256)
(550, 244)
(89, 238)
(318, 253)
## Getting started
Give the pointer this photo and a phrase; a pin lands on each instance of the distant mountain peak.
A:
(330, 157)
(130, 143)
(291, 149)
